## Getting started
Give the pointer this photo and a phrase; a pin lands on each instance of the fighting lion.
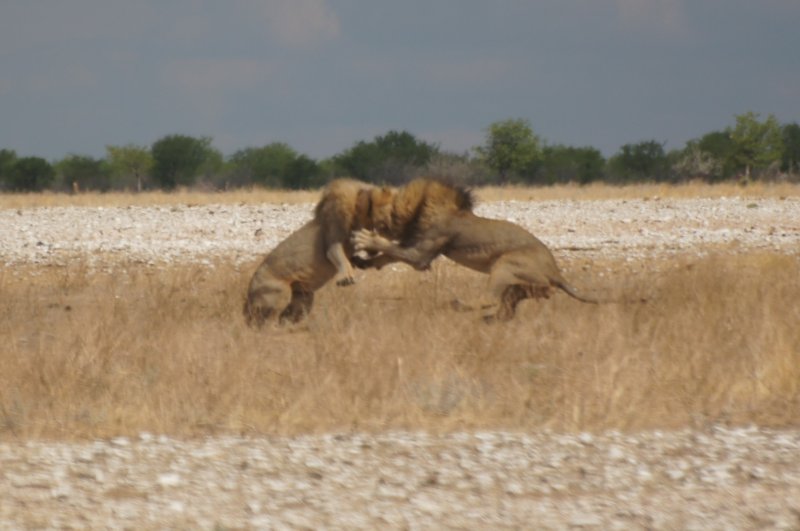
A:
(348, 205)
(283, 286)
(519, 265)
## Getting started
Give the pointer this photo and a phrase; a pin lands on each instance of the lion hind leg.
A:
(263, 301)
(509, 284)
(512, 296)
(299, 306)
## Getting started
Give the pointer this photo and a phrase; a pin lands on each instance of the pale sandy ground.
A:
(634, 228)
(709, 478)
(713, 479)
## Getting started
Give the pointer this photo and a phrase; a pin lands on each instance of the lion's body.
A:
(288, 276)
(519, 265)
(347, 205)
(283, 286)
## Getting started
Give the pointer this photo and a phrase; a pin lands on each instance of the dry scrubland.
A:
(89, 353)
(133, 396)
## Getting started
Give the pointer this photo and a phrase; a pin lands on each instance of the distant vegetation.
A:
(752, 149)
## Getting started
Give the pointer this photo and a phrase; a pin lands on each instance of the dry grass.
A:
(88, 354)
(639, 191)
(179, 197)
(493, 193)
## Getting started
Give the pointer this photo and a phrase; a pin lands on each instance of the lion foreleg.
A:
(344, 269)
(419, 257)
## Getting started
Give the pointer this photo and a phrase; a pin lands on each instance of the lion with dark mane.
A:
(431, 218)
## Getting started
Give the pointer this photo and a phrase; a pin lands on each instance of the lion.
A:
(283, 285)
(519, 265)
(348, 205)
(287, 278)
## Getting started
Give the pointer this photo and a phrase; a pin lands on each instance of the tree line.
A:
(751, 149)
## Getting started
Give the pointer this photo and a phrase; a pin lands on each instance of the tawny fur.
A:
(417, 208)
(519, 265)
(283, 286)
(347, 205)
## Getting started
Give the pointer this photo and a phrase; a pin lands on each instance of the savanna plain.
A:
(704, 338)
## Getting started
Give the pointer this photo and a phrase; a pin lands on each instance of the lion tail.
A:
(567, 288)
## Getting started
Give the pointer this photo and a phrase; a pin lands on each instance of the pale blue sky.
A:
(76, 75)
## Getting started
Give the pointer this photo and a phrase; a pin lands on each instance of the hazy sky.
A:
(323, 74)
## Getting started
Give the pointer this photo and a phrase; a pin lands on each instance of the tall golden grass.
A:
(98, 353)
(490, 193)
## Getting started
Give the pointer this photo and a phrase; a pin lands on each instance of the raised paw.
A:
(363, 240)
(346, 281)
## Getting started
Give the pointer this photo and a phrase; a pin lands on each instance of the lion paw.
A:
(363, 240)
(346, 281)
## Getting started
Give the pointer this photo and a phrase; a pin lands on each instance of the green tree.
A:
(179, 159)
(643, 161)
(693, 162)
(360, 161)
(459, 167)
(757, 144)
(267, 166)
(211, 167)
(721, 148)
(564, 164)
(790, 158)
(392, 158)
(303, 173)
(130, 162)
(511, 148)
(7, 159)
(30, 174)
(85, 173)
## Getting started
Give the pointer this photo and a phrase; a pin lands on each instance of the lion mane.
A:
(424, 203)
